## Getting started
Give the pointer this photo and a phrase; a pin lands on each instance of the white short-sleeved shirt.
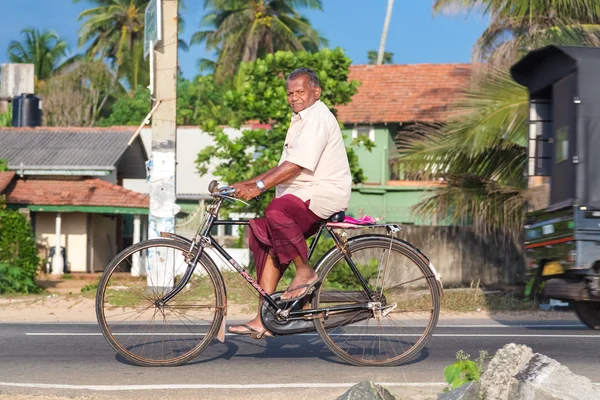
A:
(314, 142)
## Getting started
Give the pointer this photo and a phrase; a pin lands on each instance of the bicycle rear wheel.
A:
(136, 323)
(405, 302)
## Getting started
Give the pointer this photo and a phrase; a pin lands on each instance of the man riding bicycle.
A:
(312, 182)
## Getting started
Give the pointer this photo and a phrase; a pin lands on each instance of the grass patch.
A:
(465, 300)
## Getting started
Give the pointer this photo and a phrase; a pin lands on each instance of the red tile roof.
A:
(404, 93)
(83, 192)
(5, 179)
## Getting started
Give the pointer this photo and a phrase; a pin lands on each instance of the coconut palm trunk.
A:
(386, 26)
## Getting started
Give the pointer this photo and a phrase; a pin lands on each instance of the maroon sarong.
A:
(282, 232)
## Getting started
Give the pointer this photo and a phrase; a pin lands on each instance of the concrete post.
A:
(164, 127)
(58, 264)
(136, 264)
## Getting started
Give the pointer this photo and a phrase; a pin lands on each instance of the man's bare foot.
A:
(300, 284)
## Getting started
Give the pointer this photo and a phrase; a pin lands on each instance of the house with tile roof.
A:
(69, 182)
(390, 100)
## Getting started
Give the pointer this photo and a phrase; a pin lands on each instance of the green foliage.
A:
(18, 254)
(129, 110)
(90, 287)
(534, 288)
(260, 95)
(6, 118)
(198, 100)
(3, 165)
(388, 58)
(464, 370)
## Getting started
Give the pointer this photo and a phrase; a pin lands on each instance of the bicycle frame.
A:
(203, 238)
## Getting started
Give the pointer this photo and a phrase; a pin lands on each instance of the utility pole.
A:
(386, 26)
(164, 133)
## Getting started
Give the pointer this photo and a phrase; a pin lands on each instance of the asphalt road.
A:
(75, 360)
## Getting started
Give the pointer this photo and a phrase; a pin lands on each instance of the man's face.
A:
(301, 94)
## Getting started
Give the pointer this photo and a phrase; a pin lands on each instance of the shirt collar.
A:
(303, 113)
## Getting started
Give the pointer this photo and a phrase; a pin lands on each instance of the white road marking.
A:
(216, 386)
(212, 386)
(512, 326)
(316, 334)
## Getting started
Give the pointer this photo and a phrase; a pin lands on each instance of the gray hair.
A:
(309, 73)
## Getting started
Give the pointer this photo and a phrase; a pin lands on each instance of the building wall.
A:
(374, 162)
(388, 203)
(73, 236)
(190, 141)
(461, 258)
(103, 241)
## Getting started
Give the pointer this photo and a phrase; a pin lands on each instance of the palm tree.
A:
(386, 25)
(388, 58)
(481, 152)
(243, 30)
(517, 26)
(43, 49)
(114, 29)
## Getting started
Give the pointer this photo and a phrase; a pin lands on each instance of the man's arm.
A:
(247, 190)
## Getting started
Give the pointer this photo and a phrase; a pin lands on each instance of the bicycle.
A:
(171, 315)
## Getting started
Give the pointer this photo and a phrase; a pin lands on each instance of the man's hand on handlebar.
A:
(245, 190)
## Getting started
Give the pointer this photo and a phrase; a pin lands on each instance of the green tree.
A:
(77, 95)
(129, 110)
(18, 254)
(481, 151)
(198, 100)
(43, 49)
(244, 30)
(260, 95)
(6, 118)
(388, 58)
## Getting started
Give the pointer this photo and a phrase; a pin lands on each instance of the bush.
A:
(19, 260)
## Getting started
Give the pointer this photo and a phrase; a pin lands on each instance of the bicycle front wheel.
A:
(138, 324)
(399, 315)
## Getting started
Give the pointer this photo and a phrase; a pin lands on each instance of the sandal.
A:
(254, 333)
(310, 288)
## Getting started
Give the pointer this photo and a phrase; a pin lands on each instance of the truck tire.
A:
(589, 313)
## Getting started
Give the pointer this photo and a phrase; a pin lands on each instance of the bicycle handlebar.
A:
(224, 192)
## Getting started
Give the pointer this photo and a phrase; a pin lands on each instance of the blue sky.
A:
(415, 35)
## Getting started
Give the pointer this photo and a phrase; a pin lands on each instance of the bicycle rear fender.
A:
(360, 238)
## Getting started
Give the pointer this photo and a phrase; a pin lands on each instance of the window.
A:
(367, 131)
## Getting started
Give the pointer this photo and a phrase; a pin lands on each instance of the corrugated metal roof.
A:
(68, 148)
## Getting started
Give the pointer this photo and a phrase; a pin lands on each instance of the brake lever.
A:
(233, 199)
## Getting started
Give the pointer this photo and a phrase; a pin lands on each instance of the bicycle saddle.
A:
(337, 217)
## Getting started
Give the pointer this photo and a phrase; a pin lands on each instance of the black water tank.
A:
(27, 110)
